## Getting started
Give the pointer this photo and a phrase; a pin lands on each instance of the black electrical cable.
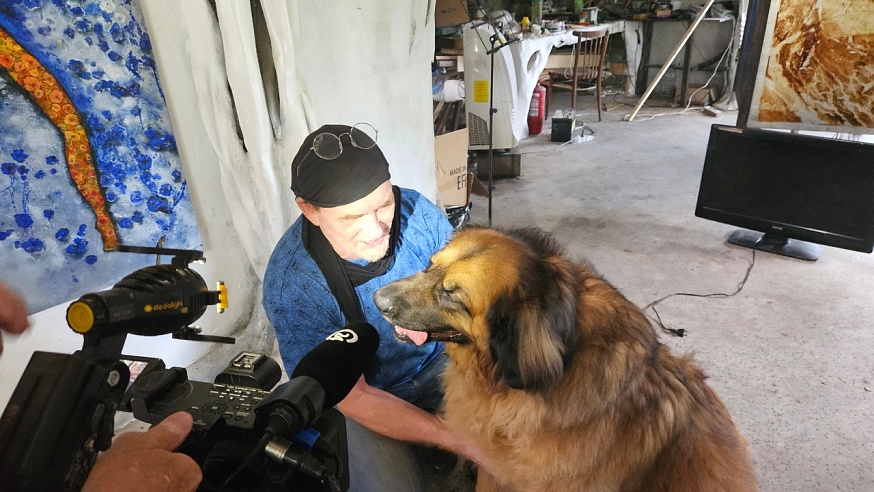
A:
(254, 453)
(680, 331)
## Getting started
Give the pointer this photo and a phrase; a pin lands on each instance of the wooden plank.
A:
(670, 59)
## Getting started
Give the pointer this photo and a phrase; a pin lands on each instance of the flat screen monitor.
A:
(790, 192)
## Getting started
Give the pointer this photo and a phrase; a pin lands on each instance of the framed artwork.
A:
(88, 160)
(809, 65)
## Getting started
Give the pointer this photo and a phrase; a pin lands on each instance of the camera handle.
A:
(59, 417)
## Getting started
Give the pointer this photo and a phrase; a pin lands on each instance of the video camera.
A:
(247, 434)
(234, 439)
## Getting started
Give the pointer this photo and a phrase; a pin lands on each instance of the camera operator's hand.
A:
(146, 461)
(13, 312)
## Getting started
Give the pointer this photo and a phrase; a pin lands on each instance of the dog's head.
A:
(507, 294)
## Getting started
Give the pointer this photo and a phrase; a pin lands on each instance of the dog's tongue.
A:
(417, 337)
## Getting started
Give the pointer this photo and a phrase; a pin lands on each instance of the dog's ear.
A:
(533, 329)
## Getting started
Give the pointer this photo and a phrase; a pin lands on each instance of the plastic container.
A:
(537, 12)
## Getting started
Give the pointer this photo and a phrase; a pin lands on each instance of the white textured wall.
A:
(335, 62)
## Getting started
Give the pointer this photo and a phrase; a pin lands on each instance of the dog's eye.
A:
(448, 293)
(444, 294)
(452, 297)
(449, 287)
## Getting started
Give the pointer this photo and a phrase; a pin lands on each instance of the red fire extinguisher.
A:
(535, 111)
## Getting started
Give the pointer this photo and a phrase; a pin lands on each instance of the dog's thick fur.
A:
(560, 378)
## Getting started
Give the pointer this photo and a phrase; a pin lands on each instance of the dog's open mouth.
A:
(421, 337)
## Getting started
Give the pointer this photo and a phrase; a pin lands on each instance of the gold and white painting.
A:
(817, 67)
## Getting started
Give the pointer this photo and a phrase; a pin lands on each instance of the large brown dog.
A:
(559, 377)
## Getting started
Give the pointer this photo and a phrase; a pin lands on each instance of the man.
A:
(356, 233)
(136, 460)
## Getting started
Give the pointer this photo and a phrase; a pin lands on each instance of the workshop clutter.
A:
(454, 177)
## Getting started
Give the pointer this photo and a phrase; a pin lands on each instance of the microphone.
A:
(322, 378)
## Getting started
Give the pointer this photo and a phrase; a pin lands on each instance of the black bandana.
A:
(352, 175)
(343, 276)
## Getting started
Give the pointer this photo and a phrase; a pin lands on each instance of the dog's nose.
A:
(383, 302)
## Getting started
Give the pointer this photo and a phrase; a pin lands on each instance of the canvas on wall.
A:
(88, 160)
(817, 67)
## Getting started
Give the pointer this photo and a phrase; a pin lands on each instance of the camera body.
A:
(61, 413)
(228, 423)
(158, 392)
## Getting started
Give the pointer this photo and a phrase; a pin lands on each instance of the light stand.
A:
(496, 45)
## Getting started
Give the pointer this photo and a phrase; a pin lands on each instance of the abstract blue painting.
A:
(88, 160)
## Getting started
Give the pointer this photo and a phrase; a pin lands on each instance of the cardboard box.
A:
(450, 13)
(450, 153)
(701, 97)
(618, 68)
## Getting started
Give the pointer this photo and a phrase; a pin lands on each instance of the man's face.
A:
(359, 229)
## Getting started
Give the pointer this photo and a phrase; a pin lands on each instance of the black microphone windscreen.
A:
(338, 362)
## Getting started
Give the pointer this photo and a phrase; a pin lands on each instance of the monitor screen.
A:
(789, 187)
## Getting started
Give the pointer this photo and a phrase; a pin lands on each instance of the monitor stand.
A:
(774, 243)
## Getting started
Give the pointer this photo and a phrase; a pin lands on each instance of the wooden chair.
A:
(591, 50)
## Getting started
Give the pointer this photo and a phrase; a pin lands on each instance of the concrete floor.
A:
(792, 354)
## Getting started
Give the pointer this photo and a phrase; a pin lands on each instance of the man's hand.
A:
(146, 461)
(391, 416)
(13, 312)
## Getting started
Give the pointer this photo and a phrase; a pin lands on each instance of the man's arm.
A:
(391, 416)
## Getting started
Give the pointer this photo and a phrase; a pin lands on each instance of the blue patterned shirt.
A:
(303, 310)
